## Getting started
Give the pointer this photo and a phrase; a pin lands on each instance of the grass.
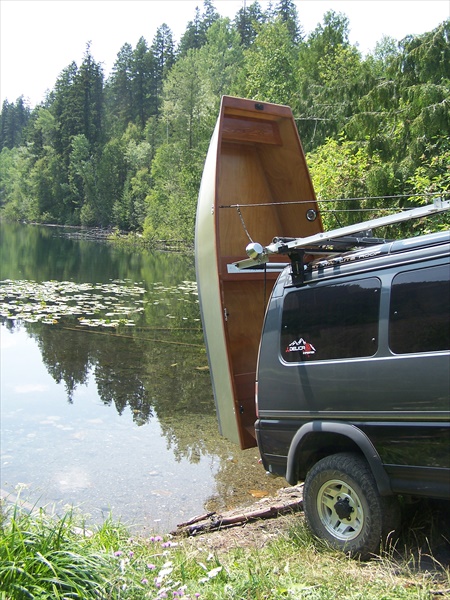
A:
(59, 558)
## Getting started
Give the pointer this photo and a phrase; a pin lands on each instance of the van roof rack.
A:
(334, 241)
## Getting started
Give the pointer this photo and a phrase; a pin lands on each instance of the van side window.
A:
(331, 321)
(420, 311)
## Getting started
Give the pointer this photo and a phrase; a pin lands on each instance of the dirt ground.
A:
(424, 536)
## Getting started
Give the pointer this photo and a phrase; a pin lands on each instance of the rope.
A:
(242, 221)
(142, 327)
(132, 337)
(313, 200)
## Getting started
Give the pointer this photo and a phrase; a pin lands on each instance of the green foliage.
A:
(13, 121)
(111, 177)
(433, 173)
(331, 79)
(247, 22)
(286, 11)
(269, 65)
(143, 66)
(164, 58)
(182, 104)
(220, 62)
(118, 91)
(44, 129)
(353, 184)
(409, 105)
(344, 175)
(129, 153)
(432, 176)
(196, 32)
(16, 198)
(172, 202)
(49, 190)
(43, 557)
(78, 105)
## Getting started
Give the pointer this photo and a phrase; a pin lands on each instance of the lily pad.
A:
(50, 301)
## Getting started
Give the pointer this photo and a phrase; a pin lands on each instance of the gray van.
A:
(353, 383)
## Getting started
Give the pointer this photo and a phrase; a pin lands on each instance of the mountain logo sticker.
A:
(306, 348)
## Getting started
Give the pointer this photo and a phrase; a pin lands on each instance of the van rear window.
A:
(420, 311)
(331, 321)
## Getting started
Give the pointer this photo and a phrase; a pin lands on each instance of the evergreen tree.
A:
(287, 12)
(13, 121)
(196, 32)
(119, 90)
(247, 22)
(409, 106)
(78, 105)
(67, 108)
(90, 85)
(209, 17)
(378, 126)
(143, 83)
(192, 38)
(164, 58)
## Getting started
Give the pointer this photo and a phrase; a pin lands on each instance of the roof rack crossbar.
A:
(260, 255)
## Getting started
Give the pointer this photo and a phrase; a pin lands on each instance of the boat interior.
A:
(263, 190)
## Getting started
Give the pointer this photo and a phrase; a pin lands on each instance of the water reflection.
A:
(131, 367)
(117, 418)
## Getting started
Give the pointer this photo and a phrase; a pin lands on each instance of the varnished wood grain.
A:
(257, 160)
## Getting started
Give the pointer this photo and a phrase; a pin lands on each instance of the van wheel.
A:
(342, 505)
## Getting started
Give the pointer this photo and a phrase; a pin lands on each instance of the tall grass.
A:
(44, 557)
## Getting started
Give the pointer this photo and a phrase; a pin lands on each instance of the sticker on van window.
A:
(301, 346)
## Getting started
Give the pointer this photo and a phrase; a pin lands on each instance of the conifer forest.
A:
(126, 152)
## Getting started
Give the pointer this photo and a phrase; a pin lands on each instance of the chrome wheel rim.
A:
(336, 496)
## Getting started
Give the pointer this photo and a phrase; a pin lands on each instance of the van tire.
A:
(342, 505)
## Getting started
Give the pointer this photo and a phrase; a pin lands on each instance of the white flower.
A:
(211, 574)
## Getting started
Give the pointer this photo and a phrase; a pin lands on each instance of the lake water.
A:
(106, 401)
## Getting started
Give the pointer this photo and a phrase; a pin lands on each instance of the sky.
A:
(39, 38)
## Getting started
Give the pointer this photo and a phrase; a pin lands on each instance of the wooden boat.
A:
(255, 186)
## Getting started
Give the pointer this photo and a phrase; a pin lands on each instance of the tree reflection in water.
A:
(154, 370)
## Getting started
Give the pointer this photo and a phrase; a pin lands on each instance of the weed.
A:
(48, 557)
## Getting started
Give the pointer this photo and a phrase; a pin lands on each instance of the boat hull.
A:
(255, 186)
